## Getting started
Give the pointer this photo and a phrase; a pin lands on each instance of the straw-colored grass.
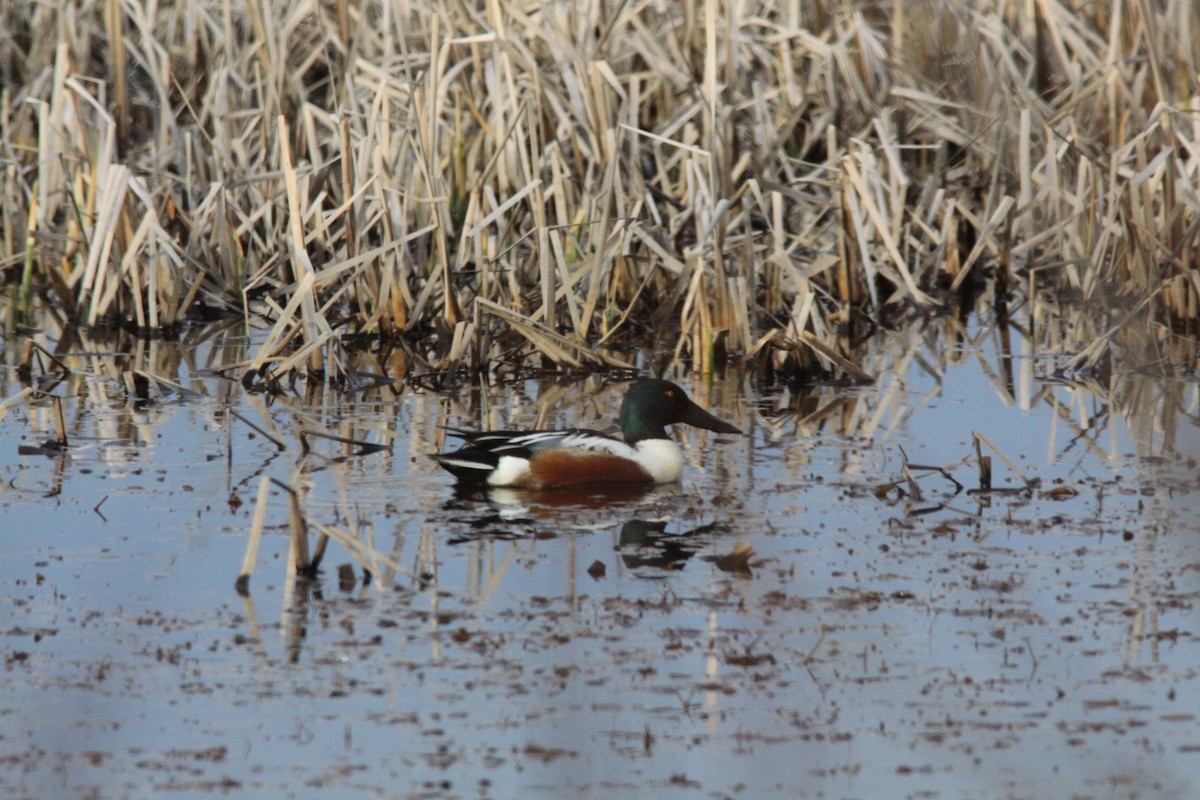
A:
(489, 181)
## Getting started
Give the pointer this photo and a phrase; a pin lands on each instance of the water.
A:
(1027, 643)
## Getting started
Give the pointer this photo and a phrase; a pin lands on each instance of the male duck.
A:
(570, 458)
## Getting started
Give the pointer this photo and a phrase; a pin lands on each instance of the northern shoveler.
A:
(569, 458)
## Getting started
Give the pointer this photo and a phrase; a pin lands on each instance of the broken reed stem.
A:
(318, 554)
(252, 542)
(300, 553)
(985, 470)
(302, 267)
(25, 362)
(60, 424)
(31, 348)
(980, 438)
(299, 560)
(364, 553)
(914, 488)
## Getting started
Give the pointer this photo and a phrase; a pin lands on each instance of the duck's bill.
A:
(697, 416)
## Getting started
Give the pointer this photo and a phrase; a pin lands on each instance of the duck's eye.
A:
(670, 392)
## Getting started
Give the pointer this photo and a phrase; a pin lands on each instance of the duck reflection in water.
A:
(644, 542)
(648, 544)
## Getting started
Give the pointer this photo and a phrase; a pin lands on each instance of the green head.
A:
(652, 404)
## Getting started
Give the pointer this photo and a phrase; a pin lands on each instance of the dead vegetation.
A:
(485, 183)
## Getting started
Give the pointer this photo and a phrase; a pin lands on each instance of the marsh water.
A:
(790, 620)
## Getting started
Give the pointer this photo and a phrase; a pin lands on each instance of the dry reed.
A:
(486, 182)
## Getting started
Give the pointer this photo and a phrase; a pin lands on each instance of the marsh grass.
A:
(486, 184)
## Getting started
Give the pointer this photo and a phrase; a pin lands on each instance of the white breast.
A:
(662, 458)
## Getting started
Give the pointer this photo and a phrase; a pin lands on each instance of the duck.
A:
(644, 454)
